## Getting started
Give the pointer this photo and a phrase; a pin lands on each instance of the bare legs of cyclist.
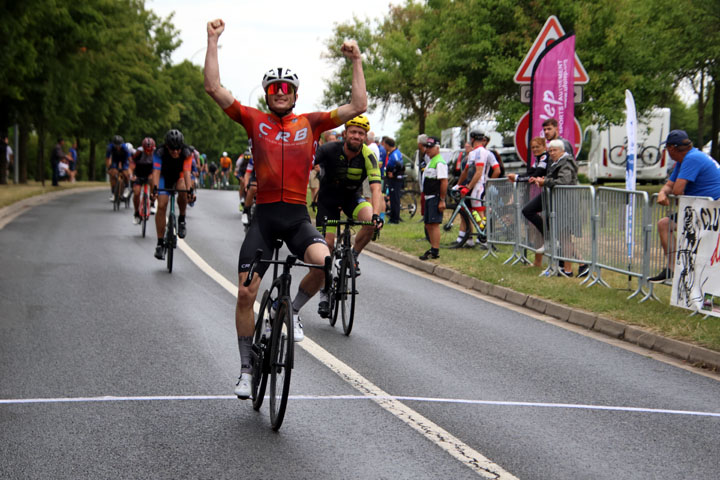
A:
(245, 326)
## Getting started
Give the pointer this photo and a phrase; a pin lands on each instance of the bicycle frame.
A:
(462, 206)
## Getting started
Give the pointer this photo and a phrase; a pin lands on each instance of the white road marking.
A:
(433, 432)
(375, 398)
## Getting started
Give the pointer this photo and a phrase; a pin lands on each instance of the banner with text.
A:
(552, 88)
(696, 280)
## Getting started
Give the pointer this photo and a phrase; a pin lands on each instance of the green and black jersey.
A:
(342, 174)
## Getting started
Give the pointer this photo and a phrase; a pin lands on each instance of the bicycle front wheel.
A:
(261, 351)
(336, 297)
(144, 211)
(170, 241)
(650, 156)
(450, 229)
(281, 362)
(117, 193)
(347, 297)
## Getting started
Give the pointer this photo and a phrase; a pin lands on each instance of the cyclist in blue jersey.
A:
(395, 177)
(117, 161)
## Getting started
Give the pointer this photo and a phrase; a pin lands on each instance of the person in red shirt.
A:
(283, 149)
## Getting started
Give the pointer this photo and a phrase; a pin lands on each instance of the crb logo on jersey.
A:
(283, 135)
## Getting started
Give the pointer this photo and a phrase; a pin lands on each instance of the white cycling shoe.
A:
(298, 333)
(243, 387)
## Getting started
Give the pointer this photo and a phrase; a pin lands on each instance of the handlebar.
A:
(289, 262)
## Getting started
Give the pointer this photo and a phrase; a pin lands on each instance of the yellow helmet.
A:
(359, 121)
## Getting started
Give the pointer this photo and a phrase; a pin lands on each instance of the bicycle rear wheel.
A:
(449, 230)
(170, 241)
(347, 297)
(281, 362)
(408, 203)
(261, 351)
(618, 155)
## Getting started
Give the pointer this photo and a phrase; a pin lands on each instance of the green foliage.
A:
(96, 68)
(458, 57)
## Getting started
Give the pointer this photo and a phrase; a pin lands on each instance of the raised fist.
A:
(215, 27)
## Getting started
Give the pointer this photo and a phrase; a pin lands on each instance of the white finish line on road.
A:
(163, 398)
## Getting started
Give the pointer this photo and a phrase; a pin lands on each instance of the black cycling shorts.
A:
(286, 221)
(142, 171)
(330, 204)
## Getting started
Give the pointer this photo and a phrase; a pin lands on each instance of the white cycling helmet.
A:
(280, 75)
(224, 154)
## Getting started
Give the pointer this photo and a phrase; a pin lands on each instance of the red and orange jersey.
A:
(225, 162)
(283, 149)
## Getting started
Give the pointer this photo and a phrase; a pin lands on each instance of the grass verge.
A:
(655, 316)
(12, 193)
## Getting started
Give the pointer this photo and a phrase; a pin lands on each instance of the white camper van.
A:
(608, 150)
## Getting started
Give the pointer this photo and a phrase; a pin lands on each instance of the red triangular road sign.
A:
(551, 31)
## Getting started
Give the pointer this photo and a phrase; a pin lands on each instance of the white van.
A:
(608, 150)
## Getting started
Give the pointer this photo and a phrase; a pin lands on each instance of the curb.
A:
(687, 352)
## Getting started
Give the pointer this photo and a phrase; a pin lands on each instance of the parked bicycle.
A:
(647, 156)
(451, 226)
(170, 235)
(408, 203)
(342, 292)
(273, 342)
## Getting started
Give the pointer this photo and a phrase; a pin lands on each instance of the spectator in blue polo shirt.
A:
(695, 174)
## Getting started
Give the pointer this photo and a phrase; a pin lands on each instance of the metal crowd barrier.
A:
(623, 229)
(585, 226)
(501, 212)
(571, 211)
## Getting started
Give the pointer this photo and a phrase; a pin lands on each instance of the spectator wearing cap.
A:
(695, 174)
(434, 186)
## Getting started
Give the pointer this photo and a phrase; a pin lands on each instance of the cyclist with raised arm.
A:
(172, 164)
(141, 168)
(344, 165)
(283, 147)
(117, 161)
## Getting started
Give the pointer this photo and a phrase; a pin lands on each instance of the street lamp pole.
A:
(201, 50)
(251, 93)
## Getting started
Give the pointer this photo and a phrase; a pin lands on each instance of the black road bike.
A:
(170, 236)
(342, 292)
(273, 342)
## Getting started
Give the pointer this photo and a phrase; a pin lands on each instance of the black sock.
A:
(435, 251)
(181, 218)
(160, 241)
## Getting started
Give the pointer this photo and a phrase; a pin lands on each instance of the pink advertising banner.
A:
(552, 92)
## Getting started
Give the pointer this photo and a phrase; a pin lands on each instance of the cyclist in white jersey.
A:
(485, 165)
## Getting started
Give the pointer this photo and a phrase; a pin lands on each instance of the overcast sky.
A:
(259, 36)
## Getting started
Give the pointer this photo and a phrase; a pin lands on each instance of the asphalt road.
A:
(112, 368)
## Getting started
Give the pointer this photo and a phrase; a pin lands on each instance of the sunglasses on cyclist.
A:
(279, 87)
